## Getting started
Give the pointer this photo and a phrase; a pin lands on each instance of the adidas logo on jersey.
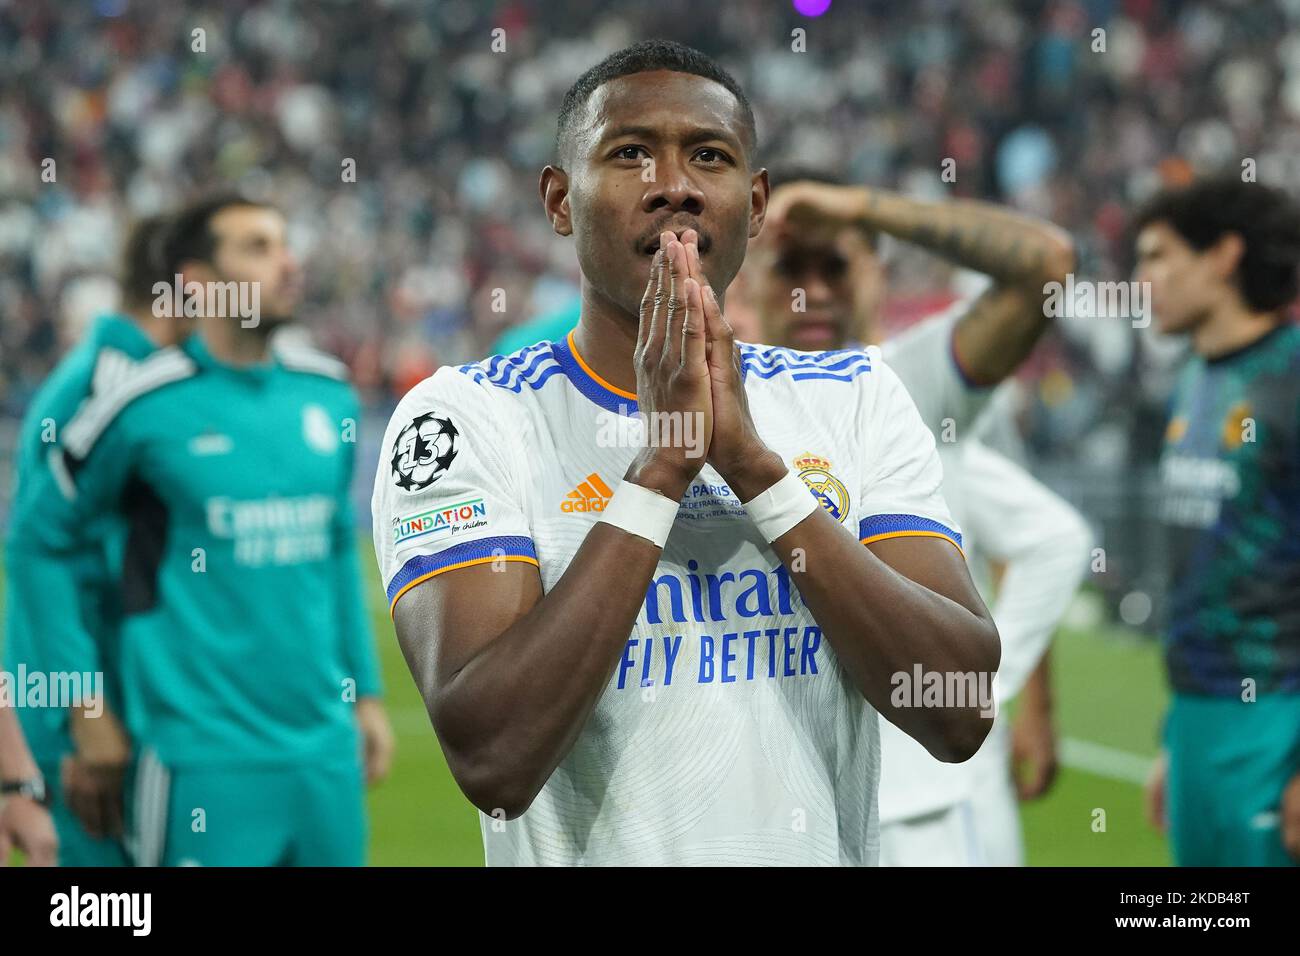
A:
(592, 494)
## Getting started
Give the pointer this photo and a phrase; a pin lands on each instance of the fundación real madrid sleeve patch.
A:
(447, 501)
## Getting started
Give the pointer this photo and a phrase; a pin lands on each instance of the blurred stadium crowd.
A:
(1036, 107)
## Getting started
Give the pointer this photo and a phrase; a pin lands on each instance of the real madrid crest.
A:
(319, 430)
(826, 488)
(1238, 427)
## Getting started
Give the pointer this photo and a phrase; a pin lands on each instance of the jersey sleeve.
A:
(77, 489)
(359, 657)
(924, 358)
(60, 588)
(90, 462)
(902, 488)
(449, 492)
(42, 548)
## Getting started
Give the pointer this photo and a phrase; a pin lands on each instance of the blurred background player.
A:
(816, 281)
(25, 821)
(110, 347)
(246, 661)
(1221, 257)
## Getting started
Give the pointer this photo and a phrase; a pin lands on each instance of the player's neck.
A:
(232, 344)
(606, 338)
(1229, 329)
(157, 330)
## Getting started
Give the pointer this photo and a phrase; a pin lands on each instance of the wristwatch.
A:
(33, 788)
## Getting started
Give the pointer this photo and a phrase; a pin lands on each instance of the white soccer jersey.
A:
(924, 358)
(728, 732)
(1006, 515)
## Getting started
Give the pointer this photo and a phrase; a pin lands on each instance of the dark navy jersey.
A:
(1231, 478)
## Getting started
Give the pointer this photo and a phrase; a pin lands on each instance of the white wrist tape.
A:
(640, 511)
(781, 507)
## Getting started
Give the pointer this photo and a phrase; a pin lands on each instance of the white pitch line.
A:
(1105, 761)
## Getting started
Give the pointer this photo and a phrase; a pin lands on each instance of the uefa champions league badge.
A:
(423, 452)
(825, 487)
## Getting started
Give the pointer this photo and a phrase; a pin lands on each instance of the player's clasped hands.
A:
(672, 369)
(687, 363)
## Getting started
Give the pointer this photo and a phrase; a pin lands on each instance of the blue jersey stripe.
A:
(425, 565)
(825, 366)
(531, 366)
(847, 375)
(516, 363)
(838, 365)
(588, 386)
(878, 525)
(788, 357)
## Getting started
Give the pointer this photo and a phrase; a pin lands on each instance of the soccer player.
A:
(110, 347)
(25, 820)
(246, 659)
(640, 638)
(1221, 257)
(818, 250)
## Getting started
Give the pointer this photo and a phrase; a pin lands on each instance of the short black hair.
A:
(142, 260)
(1266, 218)
(781, 174)
(189, 234)
(645, 57)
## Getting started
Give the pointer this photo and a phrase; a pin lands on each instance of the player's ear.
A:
(554, 187)
(759, 193)
(195, 270)
(1227, 252)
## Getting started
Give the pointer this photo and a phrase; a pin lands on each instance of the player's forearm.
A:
(997, 332)
(511, 714)
(1037, 693)
(882, 623)
(1011, 248)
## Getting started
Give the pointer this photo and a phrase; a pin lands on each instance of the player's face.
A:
(816, 292)
(1182, 288)
(252, 246)
(660, 150)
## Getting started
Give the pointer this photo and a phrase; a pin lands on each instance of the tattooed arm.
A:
(1019, 253)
